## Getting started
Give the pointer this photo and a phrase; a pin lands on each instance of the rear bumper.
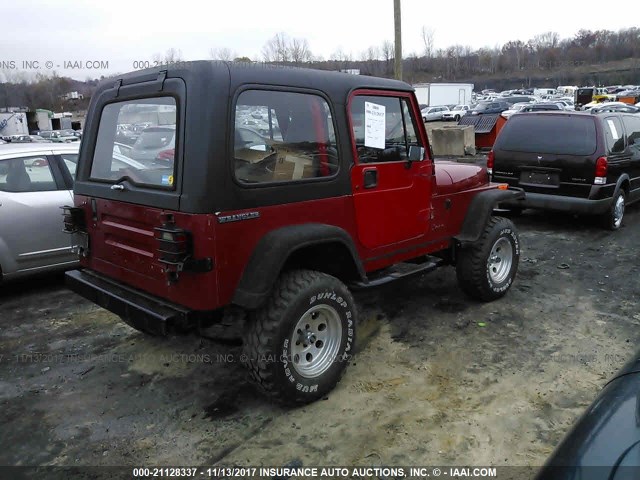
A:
(142, 311)
(561, 204)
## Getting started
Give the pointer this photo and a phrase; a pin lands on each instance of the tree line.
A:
(544, 57)
(587, 58)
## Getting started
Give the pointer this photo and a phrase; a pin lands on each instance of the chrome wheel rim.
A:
(500, 260)
(618, 211)
(315, 341)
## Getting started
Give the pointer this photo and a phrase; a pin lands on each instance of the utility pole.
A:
(398, 40)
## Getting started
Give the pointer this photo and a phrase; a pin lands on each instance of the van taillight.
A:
(167, 155)
(601, 171)
(490, 159)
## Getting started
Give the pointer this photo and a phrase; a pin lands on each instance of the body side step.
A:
(396, 272)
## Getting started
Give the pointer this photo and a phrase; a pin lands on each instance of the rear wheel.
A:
(297, 346)
(612, 219)
(487, 268)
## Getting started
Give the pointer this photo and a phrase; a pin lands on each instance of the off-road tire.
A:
(479, 275)
(272, 336)
(612, 219)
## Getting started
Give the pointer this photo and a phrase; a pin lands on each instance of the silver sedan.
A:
(34, 183)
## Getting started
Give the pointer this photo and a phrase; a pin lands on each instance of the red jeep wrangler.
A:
(269, 191)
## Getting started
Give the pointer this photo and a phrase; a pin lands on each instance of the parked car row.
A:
(56, 136)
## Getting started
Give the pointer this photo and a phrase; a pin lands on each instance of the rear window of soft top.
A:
(136, 141)
(551, 134)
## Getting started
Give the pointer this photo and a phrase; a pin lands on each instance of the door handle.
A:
(370, 178)
(117, 186)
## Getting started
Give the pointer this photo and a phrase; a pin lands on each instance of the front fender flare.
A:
(480, 210)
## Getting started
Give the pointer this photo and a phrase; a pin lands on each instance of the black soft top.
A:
(206, 89)
(335, 84)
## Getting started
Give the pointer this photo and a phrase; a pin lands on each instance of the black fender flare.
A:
(621, 180)
(273, 250)
(480, 210)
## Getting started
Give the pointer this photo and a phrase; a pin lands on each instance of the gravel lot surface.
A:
(437, 379)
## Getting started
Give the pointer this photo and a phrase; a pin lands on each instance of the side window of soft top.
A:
(614, 134)
(282, 136)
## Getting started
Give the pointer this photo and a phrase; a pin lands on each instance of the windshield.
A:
(150, 161)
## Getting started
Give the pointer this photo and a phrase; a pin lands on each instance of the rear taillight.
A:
(75, 224)
(490, 160)
(174, 245)
(167, 155)
(601, 171)
(175, 250)
(73, 218)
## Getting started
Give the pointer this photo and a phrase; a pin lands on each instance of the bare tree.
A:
(172, 55)
(427, 39)
(299, 51)
(387, 50)
(224, 54)
(546, 40)
(277, 49)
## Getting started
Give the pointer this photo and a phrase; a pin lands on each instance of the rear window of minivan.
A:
(557, 134)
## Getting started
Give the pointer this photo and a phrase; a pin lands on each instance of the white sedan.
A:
(515, 108)
(456, 113)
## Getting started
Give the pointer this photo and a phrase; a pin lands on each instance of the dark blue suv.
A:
(490, 106)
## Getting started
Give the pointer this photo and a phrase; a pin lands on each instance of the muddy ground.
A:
(438, 379)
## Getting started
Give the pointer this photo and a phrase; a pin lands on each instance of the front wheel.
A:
(486, 269)
(297, 345)
(612, 219)
(457, 118)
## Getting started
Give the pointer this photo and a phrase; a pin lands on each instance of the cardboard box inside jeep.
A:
(270, 207)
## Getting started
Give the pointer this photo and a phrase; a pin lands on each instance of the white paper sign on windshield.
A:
(374, 125)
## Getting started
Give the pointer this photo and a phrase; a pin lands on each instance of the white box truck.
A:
(436, 94)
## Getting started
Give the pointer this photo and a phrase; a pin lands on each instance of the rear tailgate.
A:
(547, 153)
(123, 246)
(125, 200)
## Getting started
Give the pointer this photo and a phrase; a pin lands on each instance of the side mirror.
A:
(416, 153)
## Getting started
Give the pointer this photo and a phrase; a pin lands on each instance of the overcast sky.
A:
(122, 31)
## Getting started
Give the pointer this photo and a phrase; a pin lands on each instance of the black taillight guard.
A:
(174, 245)
(175, 252)
(73, 218)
